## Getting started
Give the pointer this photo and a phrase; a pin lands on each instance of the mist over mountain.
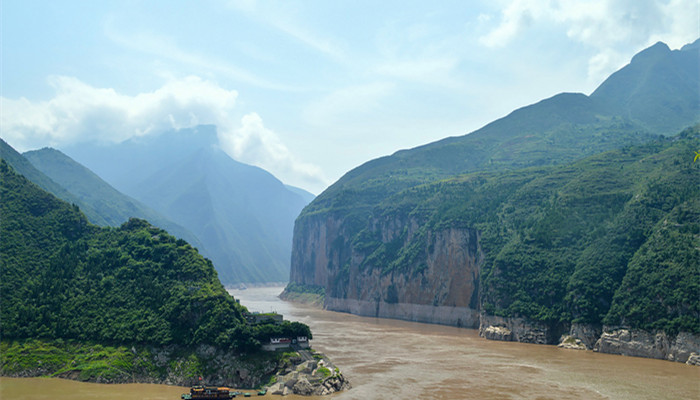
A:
(242, 214)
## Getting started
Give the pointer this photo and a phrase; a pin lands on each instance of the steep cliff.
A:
(437, 281)
(527, 221)
(527, 255)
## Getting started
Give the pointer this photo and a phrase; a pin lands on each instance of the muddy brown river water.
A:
(389, 359)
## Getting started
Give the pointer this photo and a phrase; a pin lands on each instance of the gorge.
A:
(567, 220)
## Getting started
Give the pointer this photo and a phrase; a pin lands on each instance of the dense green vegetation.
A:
(565, 244)
(20, 164)
(63, 278)
(90, 361)
(305, 294)
(96, 362)
(568, 196)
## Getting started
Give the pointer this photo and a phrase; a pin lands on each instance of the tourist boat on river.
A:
(209, 393)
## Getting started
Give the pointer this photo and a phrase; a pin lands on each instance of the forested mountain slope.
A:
(20, 164)
(513, 226)
(113, 206)
(65, 278)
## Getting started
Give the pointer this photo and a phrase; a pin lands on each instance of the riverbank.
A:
(308, 373)
(314, 296)
(171, 365)
(683, 347)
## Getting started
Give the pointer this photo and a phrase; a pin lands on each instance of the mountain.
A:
(659, 88)
(307, 196)
(66, 278)
(24, 167)
(657, 93)
(113, 206)
(519, 225)
(131, 302)
(242, 215)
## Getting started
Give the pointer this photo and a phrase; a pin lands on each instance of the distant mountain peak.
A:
(658, 50)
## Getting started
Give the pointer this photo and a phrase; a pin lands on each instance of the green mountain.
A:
(63, 278)
(567, 243)
(534, 220)
(658, 89)
(242, 215)
(24, 167)
(657, 93)
(111, 205)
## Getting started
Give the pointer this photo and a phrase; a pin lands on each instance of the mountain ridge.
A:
(241, 214)
(369, 241)
(115, 207)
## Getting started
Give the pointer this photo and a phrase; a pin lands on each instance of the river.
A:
(390, 359)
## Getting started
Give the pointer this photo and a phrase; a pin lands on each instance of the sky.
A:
(308, 89)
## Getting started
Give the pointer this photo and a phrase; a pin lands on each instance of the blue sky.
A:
(308, 89)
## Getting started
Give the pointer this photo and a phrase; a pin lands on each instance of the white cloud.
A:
(253, 143)
(613, 29)
(80, 112)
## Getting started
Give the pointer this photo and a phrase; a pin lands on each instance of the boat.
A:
(208, 393)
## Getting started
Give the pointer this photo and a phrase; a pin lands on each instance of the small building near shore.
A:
(299, 342)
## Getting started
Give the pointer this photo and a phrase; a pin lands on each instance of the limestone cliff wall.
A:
(439, 286)
(444, 315)
(311, 249)
(683, 347)
(519, 330)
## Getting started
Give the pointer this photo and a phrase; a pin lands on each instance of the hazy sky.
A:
(308, 89)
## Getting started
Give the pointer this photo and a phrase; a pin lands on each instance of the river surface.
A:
(390, 359)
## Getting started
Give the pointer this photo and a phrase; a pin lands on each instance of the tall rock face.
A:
(513, 221)
(437, 283)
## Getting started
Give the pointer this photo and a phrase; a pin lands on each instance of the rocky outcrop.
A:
(571, 343)
(311, 377)
(518, 330)
(683, 347)
(444, 315)
(586, 335)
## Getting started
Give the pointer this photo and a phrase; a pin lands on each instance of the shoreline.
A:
(683, 347)
(172, 366)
